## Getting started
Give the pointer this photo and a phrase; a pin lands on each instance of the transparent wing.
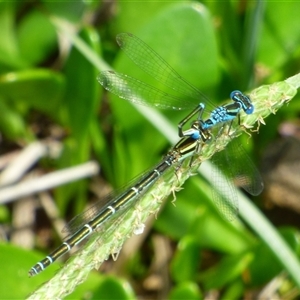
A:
(101, 205)
(114, 220)
(153, 64)
(136, 91)
(245, 172)
(80, 220)
(223, 191)
(240, 171)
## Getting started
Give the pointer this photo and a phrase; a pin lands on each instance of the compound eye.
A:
(249, 110)
(236, 95)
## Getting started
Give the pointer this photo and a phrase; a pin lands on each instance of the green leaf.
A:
(263, 260)
(114, 288)
(235, 290)
(292, 236)
(136, 14)
(36, 42)
(9, 52)
(185, 263)
(12, 123)
(15, 264)
(214, 232)
(227, 270)
(186, 290)
(279, 40)
(40, 89)
(266, 260)
(82, 89)
(71, 11)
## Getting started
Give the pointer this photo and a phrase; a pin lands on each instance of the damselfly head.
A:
(243, 100)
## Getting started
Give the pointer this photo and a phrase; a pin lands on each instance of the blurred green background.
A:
(48, 81)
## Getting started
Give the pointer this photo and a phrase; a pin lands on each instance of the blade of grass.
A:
(252, 34)
(67, 30)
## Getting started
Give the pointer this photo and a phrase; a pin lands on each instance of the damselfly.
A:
(191, 139)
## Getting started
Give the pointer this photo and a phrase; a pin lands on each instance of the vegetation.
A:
(51, 54)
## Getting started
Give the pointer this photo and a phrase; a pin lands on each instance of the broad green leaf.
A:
(186, 290)
(186, 261)
(15, 264)
(114, 288)
(9, 52)
(36, 42)
(12, 124)
(40, 89)
(227, 270)
(279, 40)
